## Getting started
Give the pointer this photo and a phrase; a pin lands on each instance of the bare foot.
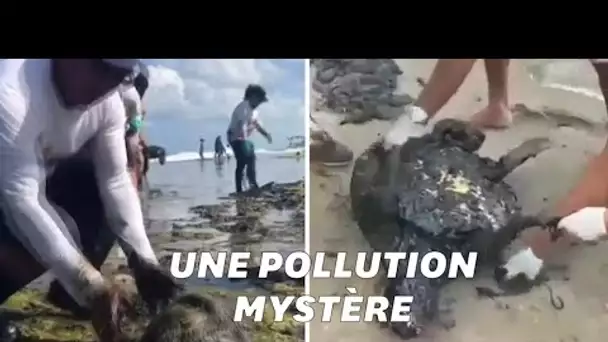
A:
(494, 116)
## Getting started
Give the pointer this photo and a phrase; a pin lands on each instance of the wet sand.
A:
(539, 183)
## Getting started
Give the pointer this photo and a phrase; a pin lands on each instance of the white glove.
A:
(587, 224)
(412, 123)
(523, 262)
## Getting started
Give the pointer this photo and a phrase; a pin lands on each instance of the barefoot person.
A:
(583, 210)
(50, 110)
(446, 78)
(243, 122)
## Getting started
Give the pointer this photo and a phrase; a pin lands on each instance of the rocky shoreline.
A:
(275, 213)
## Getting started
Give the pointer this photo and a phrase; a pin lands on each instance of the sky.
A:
(189, 99)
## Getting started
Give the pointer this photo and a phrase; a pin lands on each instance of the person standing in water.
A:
(220, 150)
(243, 122)
(201, 148)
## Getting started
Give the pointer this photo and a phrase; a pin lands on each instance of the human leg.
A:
(146, 159)
(251, 165)
(133, 159)
(496, 114)
(447, 76)
(239, 155)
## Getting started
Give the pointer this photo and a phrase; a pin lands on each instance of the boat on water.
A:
(296, 141)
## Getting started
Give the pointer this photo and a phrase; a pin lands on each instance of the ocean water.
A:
(209, 155)
(186, 180)
(573, 75)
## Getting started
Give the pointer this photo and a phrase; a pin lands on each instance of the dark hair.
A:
(255, 90)
(141, 84)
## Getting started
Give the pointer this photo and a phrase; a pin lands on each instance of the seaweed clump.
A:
(37, 320)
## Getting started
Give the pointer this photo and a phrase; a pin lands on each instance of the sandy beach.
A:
(575, 123)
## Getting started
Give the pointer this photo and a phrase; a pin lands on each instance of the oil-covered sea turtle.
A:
(436, 193)
(197, 318)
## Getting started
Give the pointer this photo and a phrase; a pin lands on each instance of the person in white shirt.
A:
(583, 211)
(243, 122)
(50, 110)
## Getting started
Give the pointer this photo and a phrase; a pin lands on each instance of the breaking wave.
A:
(208, 155)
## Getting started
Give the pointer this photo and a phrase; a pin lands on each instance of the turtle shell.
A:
(429, 188)
(444, 194)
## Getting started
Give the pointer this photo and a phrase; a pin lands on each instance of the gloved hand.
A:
(412, 123)
(524, 262)
(587, 224)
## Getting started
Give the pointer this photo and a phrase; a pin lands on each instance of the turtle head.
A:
(459, 133)
(422, 309)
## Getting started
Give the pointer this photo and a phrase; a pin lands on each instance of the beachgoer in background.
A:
(243, 122)
(201, 148)
(155, 152)
(132, 95)
(141, 84)
(583, 210)
(326, 150)
(220, 150)
(50, 109)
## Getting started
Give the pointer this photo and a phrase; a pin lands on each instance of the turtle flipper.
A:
(516, 157)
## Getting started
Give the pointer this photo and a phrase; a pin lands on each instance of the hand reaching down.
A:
(412, 123)
(107, 309)
(156, 285)
(587, 224)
